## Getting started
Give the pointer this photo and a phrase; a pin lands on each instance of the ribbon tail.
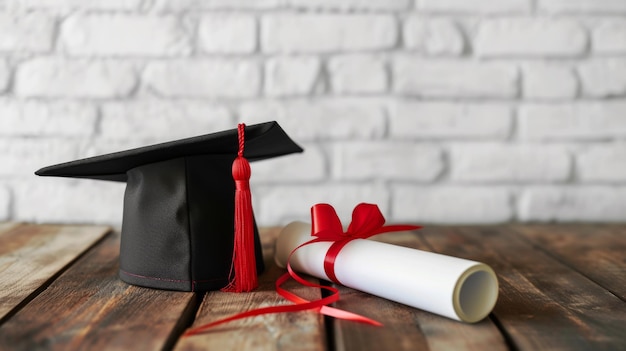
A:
(325, 310)
(301, 305)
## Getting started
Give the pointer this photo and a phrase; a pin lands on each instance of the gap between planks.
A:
(33, 256)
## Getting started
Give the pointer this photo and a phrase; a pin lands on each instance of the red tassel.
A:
(244, 262)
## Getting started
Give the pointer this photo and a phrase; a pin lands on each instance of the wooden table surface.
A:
(562, 287)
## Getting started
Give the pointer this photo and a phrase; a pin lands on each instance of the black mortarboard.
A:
(178, 223)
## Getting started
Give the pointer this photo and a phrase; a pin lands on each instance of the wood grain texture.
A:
(543, 304)
(407, 328)
(561, 288)
(596, 251)
(89, 308)
(31, 255)
(284, 331)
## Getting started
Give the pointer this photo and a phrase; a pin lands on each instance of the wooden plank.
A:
(284, 331)
(407, 328)
(32, 255)
(597, 251)
(89, 308)
(543, 304)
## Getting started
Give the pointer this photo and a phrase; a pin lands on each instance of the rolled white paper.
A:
(453, 287)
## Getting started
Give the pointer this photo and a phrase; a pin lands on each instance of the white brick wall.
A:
(603, 163)
(386, 161)
(124, 35)
(495, 162)
(454, 78)
(452, 204)
(544, 37)
(567, 203)
(583, 6)
(578, 121)
(291, 76)
(346, 74)
(5, 203)
(221, 78)
(227, 33)
(30, 118)
(151, 118)
(445, 120)
(60, 78)
(327, 32)
(32, 32)
(549, 81)
(5, 75)
(609, 37)
(306, 120)
(440, 111)
(433, 36)
(603, 78)
(475, 6)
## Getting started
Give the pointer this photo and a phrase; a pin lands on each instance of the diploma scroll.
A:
(456, 288)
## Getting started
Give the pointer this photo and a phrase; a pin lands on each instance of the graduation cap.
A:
(179, 206)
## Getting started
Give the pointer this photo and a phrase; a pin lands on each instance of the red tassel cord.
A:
(244, 278)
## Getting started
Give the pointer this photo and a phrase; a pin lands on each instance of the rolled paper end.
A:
(290, 237)
(475, 293)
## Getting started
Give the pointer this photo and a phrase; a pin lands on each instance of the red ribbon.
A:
(367, 220)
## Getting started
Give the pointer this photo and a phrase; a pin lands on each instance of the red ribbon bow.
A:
(367, 220)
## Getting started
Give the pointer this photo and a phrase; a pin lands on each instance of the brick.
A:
(5, 75)
(309, 166)
(282, 204)
(434, 36)
(443, 120)
(215, 78)
(357, 74)
(549, 82)
(124, 35)
(386, 161)
(491, 162)
(227, 33)
(602, 163)
(165, 120)
(573, 204)
(582, 6)
(291, 76)
(303, 33)
(475, 6)
(603, 78)
(451, 204)
(5, 204)
(45, 77)
(29, 32)
(609, 37)
(22, 157)
(577, 121)
(190, 5)
(70, 5)
(351, 4)
(55, 118)
(320, 119)
(530, 37)
(452, 78)
(54, 200)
